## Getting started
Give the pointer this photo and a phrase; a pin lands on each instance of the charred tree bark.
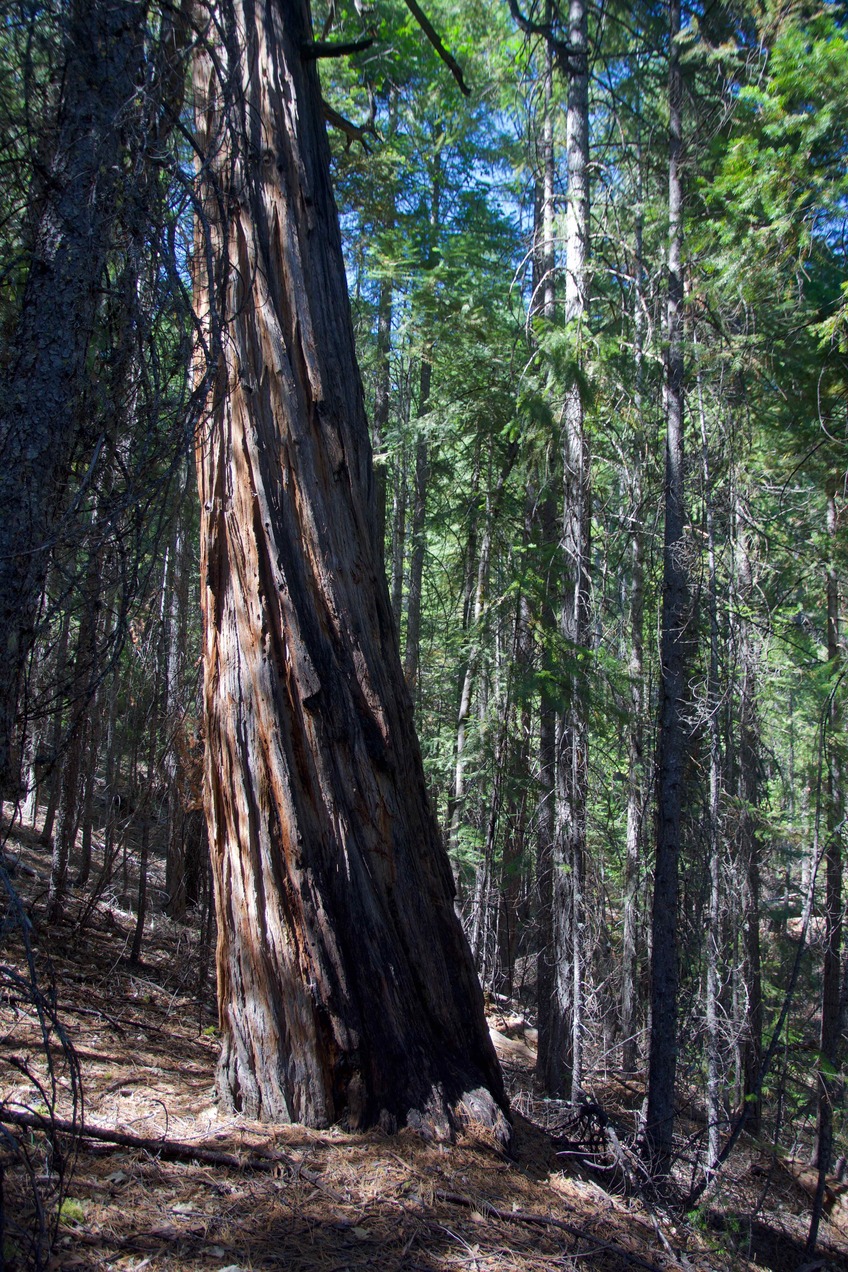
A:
(346, 988)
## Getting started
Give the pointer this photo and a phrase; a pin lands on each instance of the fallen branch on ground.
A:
(170, 1150)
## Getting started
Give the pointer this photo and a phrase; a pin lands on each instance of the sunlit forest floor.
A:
(194, 1189)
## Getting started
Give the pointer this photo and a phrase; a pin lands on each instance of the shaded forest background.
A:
(525, 555)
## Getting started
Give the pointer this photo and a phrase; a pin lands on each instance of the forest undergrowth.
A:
(159, 1179)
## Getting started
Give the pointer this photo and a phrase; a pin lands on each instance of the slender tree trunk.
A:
(713, 935)
(56, 724)
(517, 808)
(382, 385)
(573, 733)
(466, 680)
(88, 782)
(422, 464)
(146, 808)
(493, 504)
(174, 709)
(380, 421)
(74, 207)
(82, 690)
(554, 983)
(399, 501)
(346, 988)
(749, 831)
(829, 1082)
(659, 1128)
(486, 948)
(419, 533)
(636, 730)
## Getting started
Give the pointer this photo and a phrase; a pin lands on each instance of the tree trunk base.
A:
(437, 1118)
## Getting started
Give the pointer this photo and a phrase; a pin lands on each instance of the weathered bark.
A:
(659, 1127)
(346, 988)
(74, 210)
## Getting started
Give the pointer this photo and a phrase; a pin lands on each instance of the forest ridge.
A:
(422, 562)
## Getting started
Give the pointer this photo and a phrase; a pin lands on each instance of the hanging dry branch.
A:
(433, 36)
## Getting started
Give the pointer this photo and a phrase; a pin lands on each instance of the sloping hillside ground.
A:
(189, 1189)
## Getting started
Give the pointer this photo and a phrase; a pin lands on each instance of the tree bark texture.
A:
(346, 988)
(671, 742)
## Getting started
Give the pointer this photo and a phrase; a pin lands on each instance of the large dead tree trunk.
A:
(346, 988)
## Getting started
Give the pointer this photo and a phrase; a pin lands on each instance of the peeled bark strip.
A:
(346, 988)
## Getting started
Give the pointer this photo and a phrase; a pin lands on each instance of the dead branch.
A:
(433, 36)
(352, 131)
(334, 48)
